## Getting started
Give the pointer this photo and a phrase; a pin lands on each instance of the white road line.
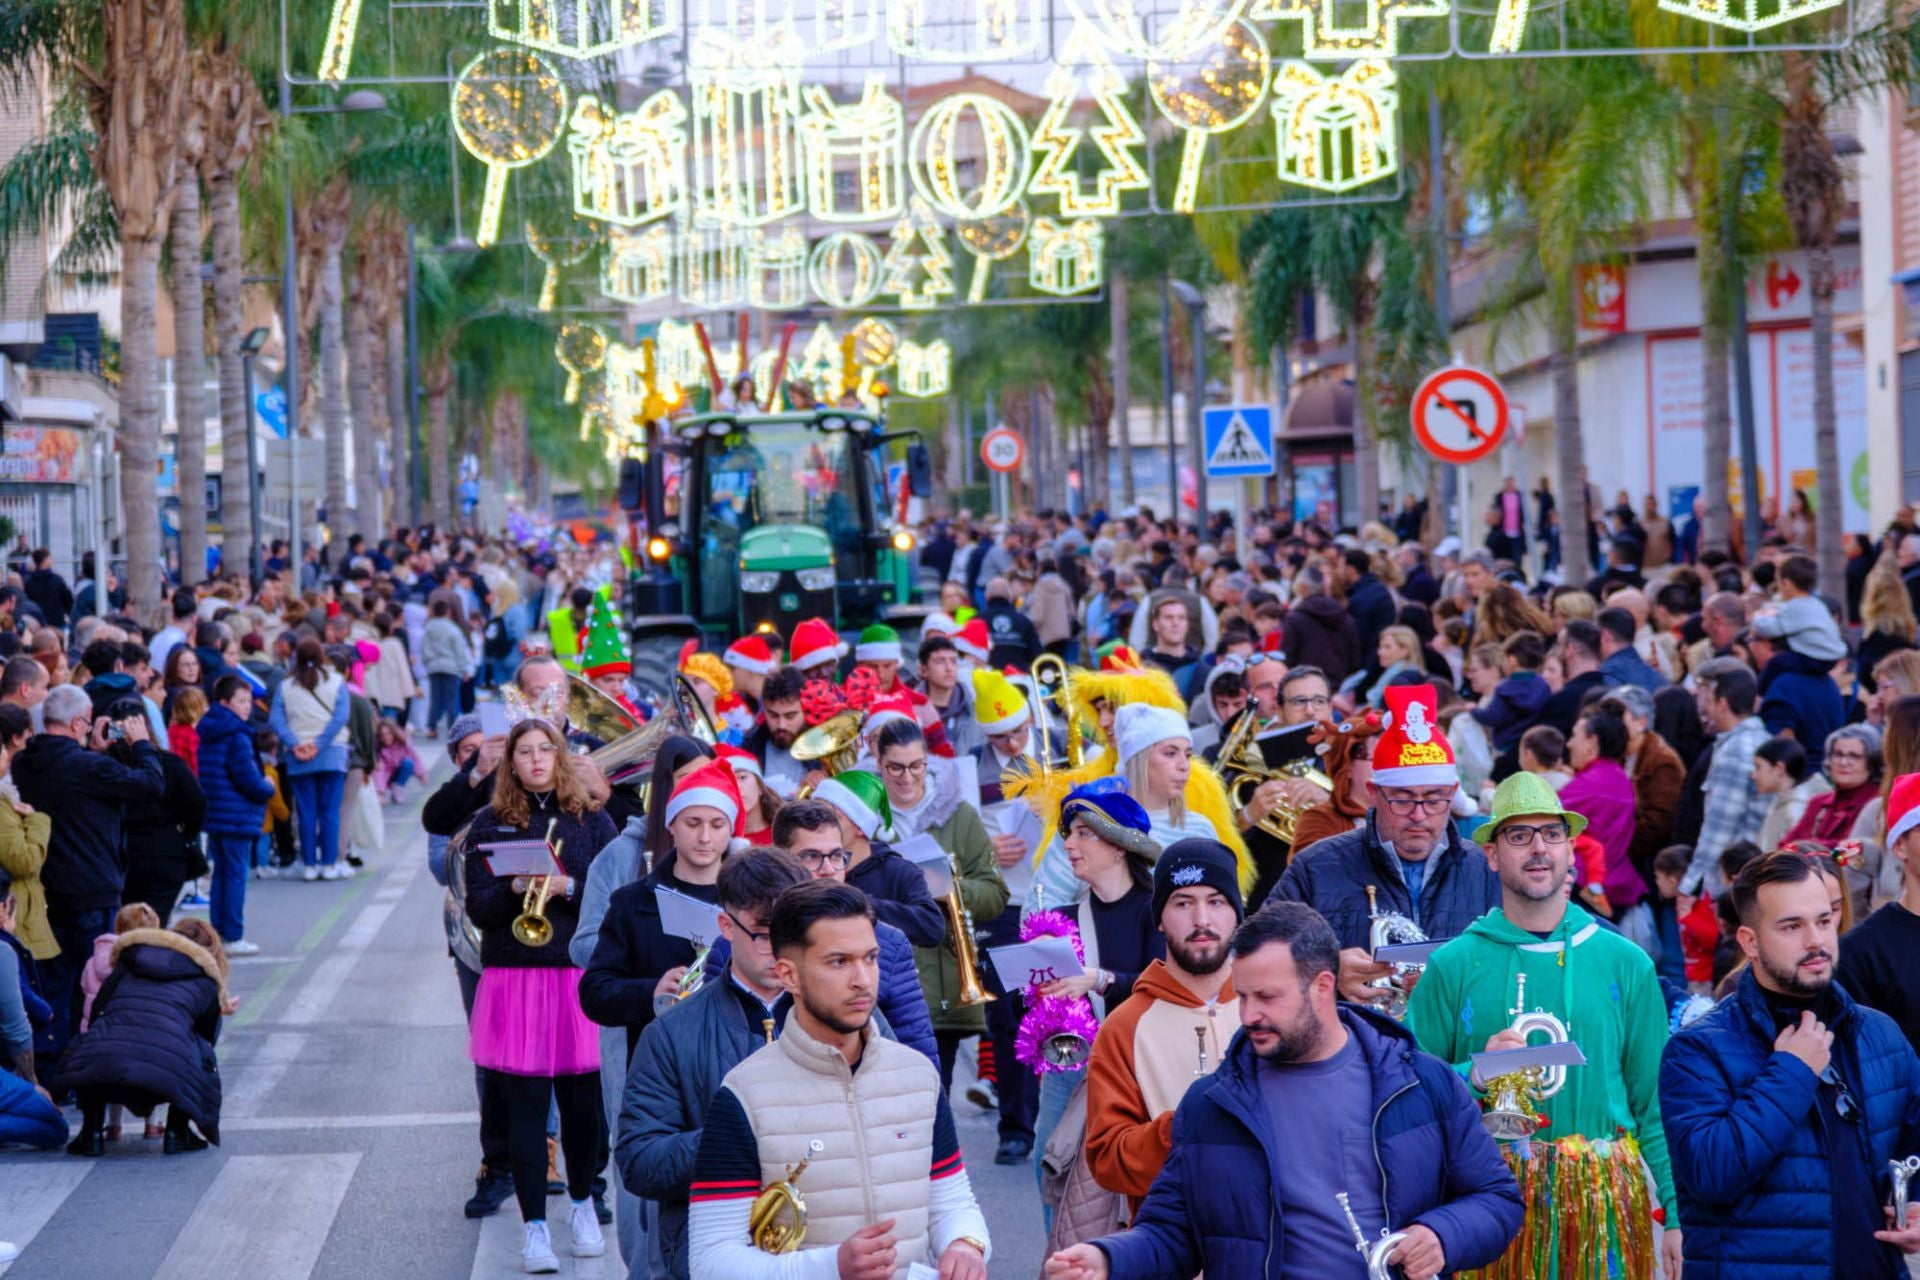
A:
(28, 1200)
(318, 991)
(397, 1120)
(260, 1074)
(501, 1235)
(263, 1217)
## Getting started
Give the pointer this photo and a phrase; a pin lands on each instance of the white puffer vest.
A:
(873, 1127)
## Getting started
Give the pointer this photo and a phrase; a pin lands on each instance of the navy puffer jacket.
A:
(1332, 876)
(1749, 1162)
(1439, 1167)
(237, 791)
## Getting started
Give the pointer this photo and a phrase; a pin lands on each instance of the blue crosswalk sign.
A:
(1238, 439)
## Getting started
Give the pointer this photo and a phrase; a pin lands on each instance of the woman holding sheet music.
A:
(528, 1032)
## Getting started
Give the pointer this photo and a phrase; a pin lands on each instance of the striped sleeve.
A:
(947, 1160)
(728, 1166)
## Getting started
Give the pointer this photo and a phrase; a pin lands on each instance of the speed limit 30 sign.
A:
(1460, 415)
(1002, 449)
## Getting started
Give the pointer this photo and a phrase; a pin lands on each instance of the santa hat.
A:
(878, 643)
(1411, 750)
(741, 760)
(605, 651)
(860, 797)
(1139, 725)
(750, 653)
(1903, 807)
(816, 643)
(998, 707)
(711, 786)
(938, 624)
(893, 706)
(972, 639)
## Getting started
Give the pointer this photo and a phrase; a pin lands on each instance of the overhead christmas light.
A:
(629, 167)
(1326, 38)
(509, 107)
(868, 137)
(1336, 132)
(925, 370)
(1056, 141)
(1217, 94)
(578, 28)
(919, 267)
(846, 270)
(1747, 15)
(1065, 259)
(336, 53)
(993, 31)
(1004, 157)
(991, 240)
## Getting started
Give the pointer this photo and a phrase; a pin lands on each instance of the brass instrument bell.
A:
(777, 1222)
(531, 928)
(834, 743)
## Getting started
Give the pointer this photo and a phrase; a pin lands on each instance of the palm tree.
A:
(189, 359)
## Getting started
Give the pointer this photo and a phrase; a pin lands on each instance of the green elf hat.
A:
(878, 643)
(861, 797)
(605, 652)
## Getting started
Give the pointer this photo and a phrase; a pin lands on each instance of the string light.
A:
(1336, 132)
(925, 370)
(1215, 95)
(1065, 259)
(578, 28)
(336, 55)
(678, 350)
(712, 264)
(843, 24)
(930, 31)
(581, 349)
(1747, 15)
(1509, 26)
(875, 343)
(1123, 25)
(639, 268)
(1004, 157)
(508, 110)
(629, 168)
(746, 143)
(919, 267)
(740, 32)
(777, 270)
(1326, 37)
(1056, 141)
(990, 240)
(866, 136)
(846, 270)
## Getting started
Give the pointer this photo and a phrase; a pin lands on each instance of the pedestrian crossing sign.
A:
(1238, 439)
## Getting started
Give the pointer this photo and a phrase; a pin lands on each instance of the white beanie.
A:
(1138, 725)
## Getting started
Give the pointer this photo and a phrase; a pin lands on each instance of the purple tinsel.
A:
(1049, 1016)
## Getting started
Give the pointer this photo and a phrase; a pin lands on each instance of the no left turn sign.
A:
(1002, 449)
(1460, 415)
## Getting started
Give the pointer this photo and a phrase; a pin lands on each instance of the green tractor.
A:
(758, 521)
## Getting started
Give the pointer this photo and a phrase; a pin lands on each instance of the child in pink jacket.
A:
(396, 763)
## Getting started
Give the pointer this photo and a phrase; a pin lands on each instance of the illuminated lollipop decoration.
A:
(571, 246)
(509, 108)
(992, 240)
(581, 349)
(875, 342)
(1214, 94)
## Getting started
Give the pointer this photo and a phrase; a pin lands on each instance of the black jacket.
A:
(492, 904)
(1013, 639)
(458, 799)
(108, 686)
(154, 1025)
(1319, 633)
(633, 953)
(1371, 605)
(49, 590)
(1420, 586)
(1332, 876)
(1563, 708)
(85, 793)
(899, 892)
(163, 832)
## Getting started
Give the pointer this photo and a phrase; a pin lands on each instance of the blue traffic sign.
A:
(1238, 439)
(271, 406)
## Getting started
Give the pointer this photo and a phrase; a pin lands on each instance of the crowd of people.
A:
(1575, 914)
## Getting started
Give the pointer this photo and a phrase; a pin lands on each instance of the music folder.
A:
(522, 858)
(1560, 1053)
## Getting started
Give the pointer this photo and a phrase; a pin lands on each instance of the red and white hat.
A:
(816, 643)
(972, 639)
(750, 653)
(938, 624)
(741, 760)
(892, 706)
(1412, 751)
(711, 786)
(1903, 807)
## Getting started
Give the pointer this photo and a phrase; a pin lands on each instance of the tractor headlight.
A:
(759, 582)
(816, 579)
(658, 548)
(902, 540)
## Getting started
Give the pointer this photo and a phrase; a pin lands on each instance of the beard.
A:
(1195, 961)
(781, 738)
(838, 1019)
(1793, 981)
(1295, 1040)
(1520, 888)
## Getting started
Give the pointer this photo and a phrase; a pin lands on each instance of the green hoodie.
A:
(1598, 983)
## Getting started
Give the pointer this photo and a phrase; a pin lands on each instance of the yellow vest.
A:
(565, 637)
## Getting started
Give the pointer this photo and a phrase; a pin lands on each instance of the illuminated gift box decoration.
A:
(925, 370)
(777, 269)
(639, 266)
(629, 168)
(1336, 132)
(1747, 15)
(712, 261)
(1066, 258)
(746, 143)
(866, 138)
(982, 31)
(678, 354)
(579, 28)
(1326, 37)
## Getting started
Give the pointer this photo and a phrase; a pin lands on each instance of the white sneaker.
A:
(243, 948)
(264, 871)
(310, 873)
(8, 1252)
(536, 1255)
(344, 870)
(584, 1225)
(331, 872)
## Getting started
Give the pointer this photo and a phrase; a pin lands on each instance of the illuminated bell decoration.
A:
(919, 267)
(639, 266)
(1003, 158)
(990, 240)
(508, 110)
(1336, 132)
(629, 168)
(1065, 259)
(1156, 29)
(746, 143)
(846, 270)
(581, 349)
(712, 259)
(925, 371)
(777, 269)
(1056, 141)
(979, 31)
(866, 140)
(1326, 37)
(875, 343)
(1747, 15)
(579, 28)
(1216, 94)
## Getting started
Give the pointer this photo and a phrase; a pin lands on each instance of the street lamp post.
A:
(1196, 305)
(248, 350)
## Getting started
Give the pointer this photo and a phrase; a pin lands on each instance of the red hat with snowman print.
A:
(1412, 751)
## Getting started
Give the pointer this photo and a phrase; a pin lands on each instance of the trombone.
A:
(531, 928)
(1052, 681)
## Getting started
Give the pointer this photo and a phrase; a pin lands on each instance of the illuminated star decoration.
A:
(629, 168)
(579, 28)
(1325, 37)
(1336, 132)
(925, 370)
(919, 267)
(1747, 15)
(1065, 259)
(508, 110)
(866, 137)
(1055, 141)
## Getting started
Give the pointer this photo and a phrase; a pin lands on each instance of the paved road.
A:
(350, 1121)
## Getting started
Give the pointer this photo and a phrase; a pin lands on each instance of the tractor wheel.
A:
(655, 659)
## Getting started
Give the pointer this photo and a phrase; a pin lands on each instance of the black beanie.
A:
(1196, 861)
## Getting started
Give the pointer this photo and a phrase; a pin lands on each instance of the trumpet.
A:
(1513, 1114)
(965, 945)
(1376, 1252)
(531, 927)
(1388, 929)
(1241, 758)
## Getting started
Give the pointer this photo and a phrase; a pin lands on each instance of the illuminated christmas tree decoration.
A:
(1326, 37)
(819, 359)
(712, 264)
(919, 267)
(639, 267)
(777, 269)
(1217, 93)
(1153, 30)
(846, 270)
(746, 143)
(982, 31)
(508, 110)
(579, 28)
(1336, 132)
(925, 370)
(865, 137)
(1004, 157)
(1747, 15)
(990, 240)
(1056, 141)
(571, 244)
(581, 349)
(1066, 258)
(336, 55)
(629, 168)
(875, 342)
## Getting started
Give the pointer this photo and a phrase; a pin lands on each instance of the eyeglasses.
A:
(534, 750)
(757, 937)
(913, 768)
(1519, 835)
(1843, 1101)
(1852, 757)
(1405, 805)
(1255, 660)
(1306, 700)
(814, 859)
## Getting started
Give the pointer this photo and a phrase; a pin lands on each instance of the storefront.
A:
(1316, 440)
(53, 457)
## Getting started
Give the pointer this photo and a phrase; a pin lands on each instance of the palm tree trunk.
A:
(189, 376)
(236, 512)
(366, 458)
(439, 448)
(140, 420)
(1716, 427)
(1366, 434)
(1569, 439)
(333, 385)
(1830, 554)
(1122, 403)
(400, 440)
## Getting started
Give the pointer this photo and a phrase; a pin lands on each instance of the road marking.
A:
(29, 1200)
(314, 995)
(501, 1236)
(260, 1074)
(263, 1217)
(397, 1120)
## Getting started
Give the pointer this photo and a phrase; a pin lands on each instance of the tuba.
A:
(1512, 1113)
(531, 927)
(628, 746)
(1390, 929)
(834, 743)
(777, 1223)
(1376, 1252)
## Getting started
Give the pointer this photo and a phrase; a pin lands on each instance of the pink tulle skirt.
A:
(527, 1022)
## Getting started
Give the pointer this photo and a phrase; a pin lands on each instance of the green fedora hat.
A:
(1525, 795)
